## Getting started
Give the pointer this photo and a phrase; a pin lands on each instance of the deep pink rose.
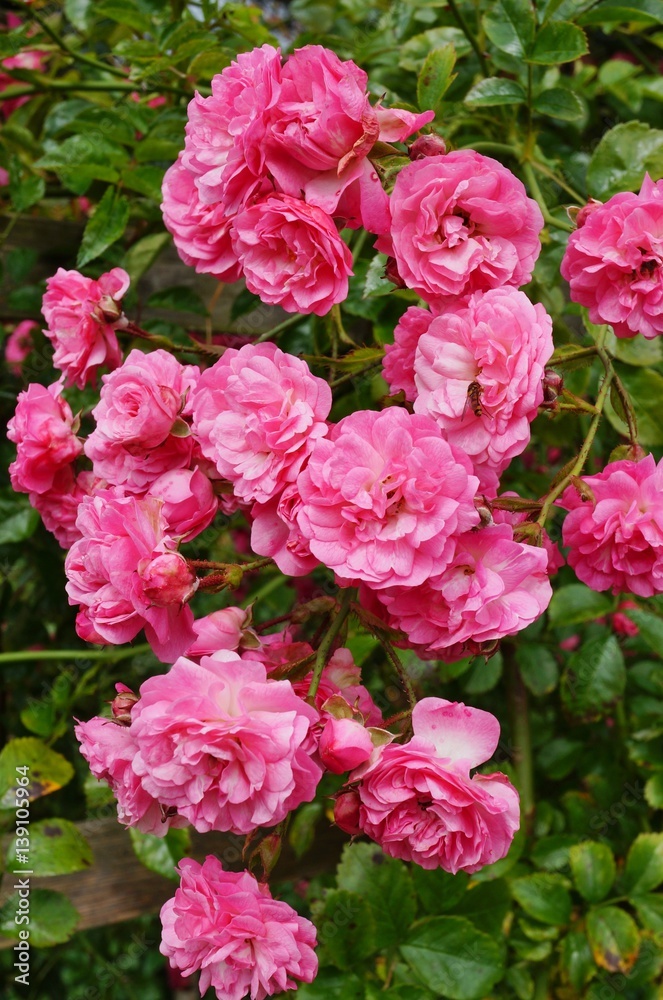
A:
(109, 573)
(166, 579)
(382, 496)
(141, 431)
(109, 749)
(614, 262)
(479, 374)
(292, 255)
(189, 502)
(18, 345)
(81, 318)
(491, 587)
(257, 414)
(223, 745)
(58, 507)
(344, 744)
(228, 926)
(275, 533)
(222, 629)
(398, 361)
(419, 803)
(616, 540)
(44, 432)
(462, 222)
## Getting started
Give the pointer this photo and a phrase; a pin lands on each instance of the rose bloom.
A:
(58, 507)
(257, 414)
(125, 574)
(614, 262)
(462, 222)
(245, 943)
(492, 587)
(275, 533)
(223, 745)
(19, 345)
(222, 629)
(418, 802)
(189, 502)
(292, 255)
(140, 432)
(382, 496)
(616, 540)
(81, 318)
(109, 748)
(33, 59)
(398, 361)
(479, 374)
(44, 432)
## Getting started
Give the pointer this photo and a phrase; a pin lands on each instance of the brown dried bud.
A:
(553, 384)
(110, 309)
(583, 489)
(427, 145)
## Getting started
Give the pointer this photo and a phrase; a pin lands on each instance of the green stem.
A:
(403, 675)
(60, 42)
(494, 147)
(520, 733)
(327, 642)
(44, 85)
(547, 172)
(73, 654)
(548, 218)
(583, 454)
(277, 329)
(133, 330)
(631, 419)
(465, 28)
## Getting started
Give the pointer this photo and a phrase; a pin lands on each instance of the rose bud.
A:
(346, 812)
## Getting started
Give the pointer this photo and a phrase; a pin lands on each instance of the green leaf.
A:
(77, 12)
(544, 897)
(53, 918)
(594, 870)
(19, 526)
(26, 192)
(651, 630)
(483, 675)
(57, 847)
(613, 938)
(594, 679)
(435, 78)
(575, 603)
(622, 157)
(558, 42)
(438, 890)
(644, 864)
(47, 770)
(301, 834)
(538, 668)
(635, 351)
(617, 11)
(125, 12)
(384, 884)
(331, 985)
(486, 904)
(644, 387)
(346, 928)
(577, 960)
(415, 51)
(552, 853)
(649, 908)
(558, 757)
(654, 790)
(495, 91)
(376, 283)
(161, 854)
(558, 102)
(140, 257)
(145, 180)
(107, 123)
(181, 298)
(105, 227)
(452, 958)
(510, 25)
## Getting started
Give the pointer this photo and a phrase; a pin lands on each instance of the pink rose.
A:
(166, 579)
(275, 533)
(141, 431)
(227, 925)
(58, 507)
(222, 629)
(555, 558)
(44, 432)
(344, 744)
(281, 649)
(462, 222)
(189, 503)
(398, 361)
(18, 345)
(33, 59)
(108, 574)
(491, 587)
(81, 318)
(109, 748)
(419, 803)
(616, 540)
(614, 265)
(292, 255)
(382, 496)
(479, 374)
(257, 414)
(223, 745)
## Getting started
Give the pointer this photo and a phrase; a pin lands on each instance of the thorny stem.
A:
(631, 418)
(327, 642)
(520, 732)
(277, 329)
(245, 567)
(547, 172)
(548, 218)
(465, 28)
(156, 338)
(60, 42)
(403, 675)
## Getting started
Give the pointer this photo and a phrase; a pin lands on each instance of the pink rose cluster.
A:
(275, 162)
(614, 262)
